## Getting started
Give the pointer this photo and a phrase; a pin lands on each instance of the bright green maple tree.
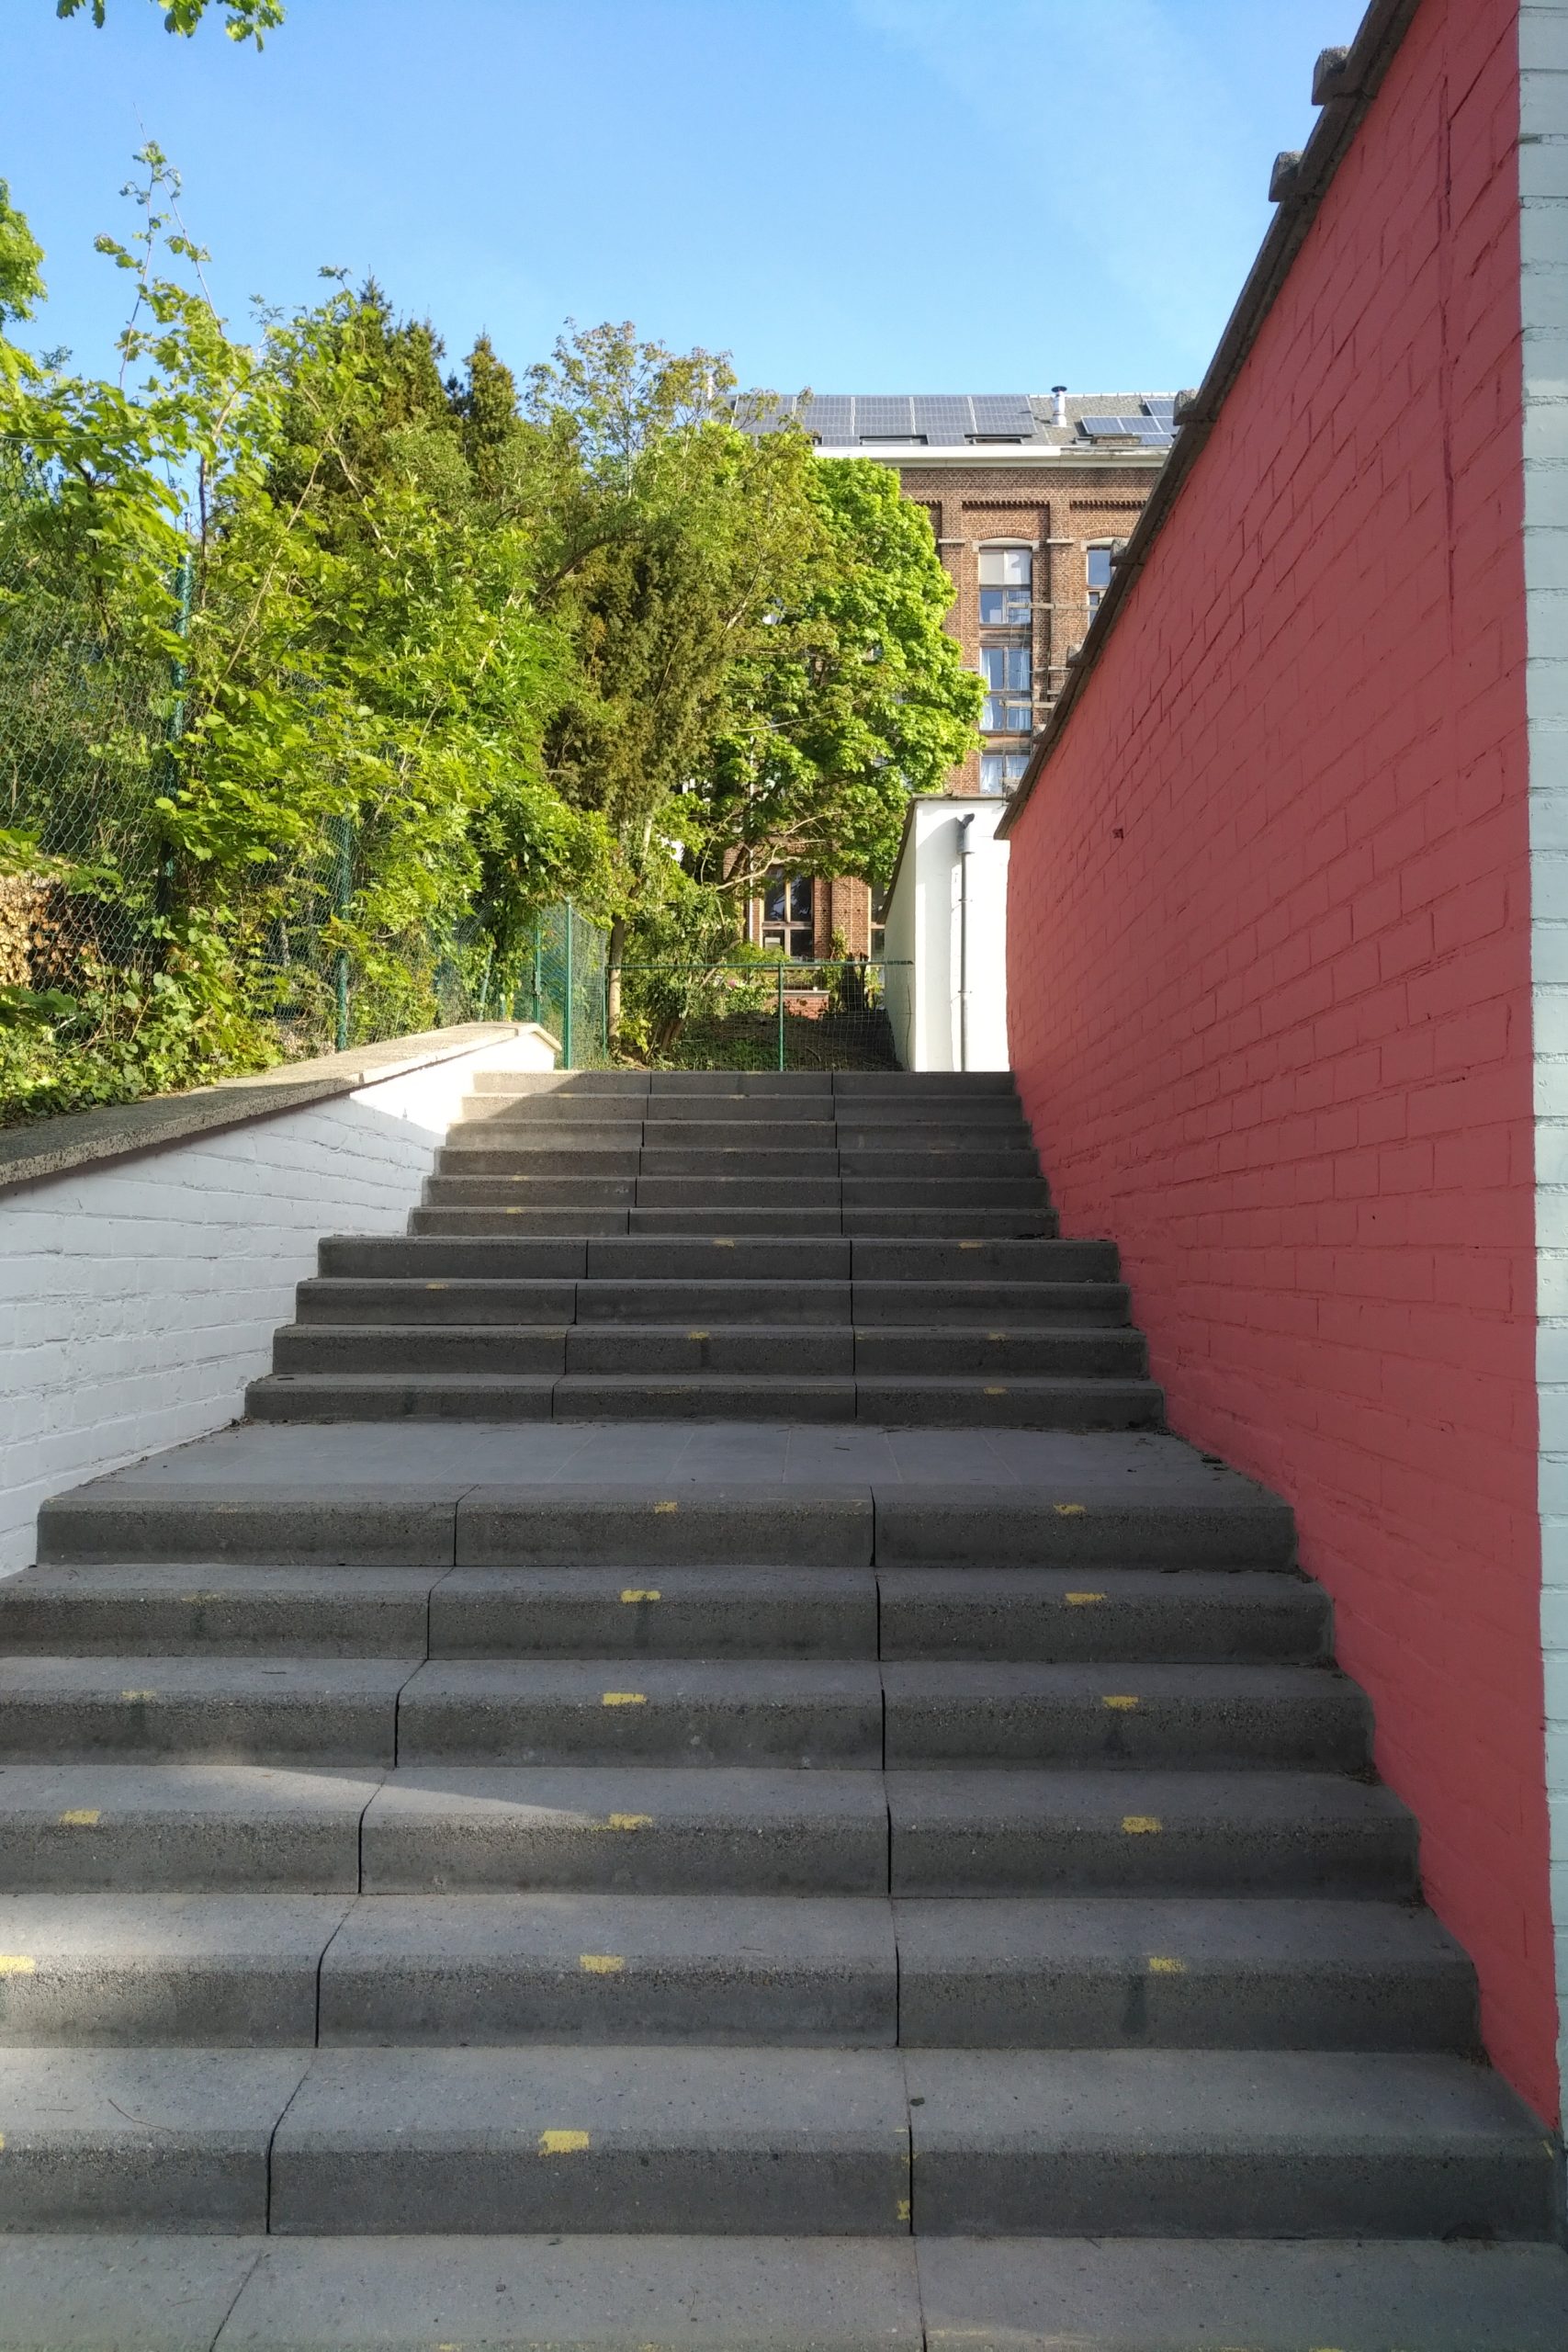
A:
(245, 20)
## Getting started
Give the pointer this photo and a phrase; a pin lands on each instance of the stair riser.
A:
(289, 1729)
(1330, 1734)
(723, 1190)
(873, 1260)
(521, 1306)
(1175, 1631)
(478, 1853)
(488, 2187)
(1018, 1306)
(128, 1624)
(588, 1612)
(1134, 2190)
(755, 2000)
(937, 1225)
(522, 1154)
(722, 1396)
(1008, 1856)
(833, 1353)
(1105, 2007)
(472, 1729)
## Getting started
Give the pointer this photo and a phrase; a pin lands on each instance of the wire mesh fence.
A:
(564, 986)
(758, 1015)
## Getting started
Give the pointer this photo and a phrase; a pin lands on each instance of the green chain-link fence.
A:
(564, 986)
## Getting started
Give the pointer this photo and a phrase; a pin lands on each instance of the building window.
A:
(788, 918)
(1007, 577)
(999, 771)
(1008, 708)
(1098, 561)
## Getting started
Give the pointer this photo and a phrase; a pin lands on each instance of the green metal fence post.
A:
(539, 926)
(565, 1018)
(185, 581)
(781, 1018)
(342, 890)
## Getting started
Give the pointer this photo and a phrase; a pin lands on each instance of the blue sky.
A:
(856, 195)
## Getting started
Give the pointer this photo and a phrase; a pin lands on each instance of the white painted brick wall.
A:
(1544, 188)
(138, 1298)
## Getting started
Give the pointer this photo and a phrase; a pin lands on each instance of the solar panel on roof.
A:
(884, 412)
(1003, 412)
(1125, 428)
(942, 417)
(830, 416)
(1161, 407)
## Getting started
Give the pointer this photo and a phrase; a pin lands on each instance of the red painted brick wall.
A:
(1269, 971)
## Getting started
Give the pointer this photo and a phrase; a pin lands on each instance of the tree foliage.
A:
(245, 20)
(429, 654)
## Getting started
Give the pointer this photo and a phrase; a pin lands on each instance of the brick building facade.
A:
(1027, 495)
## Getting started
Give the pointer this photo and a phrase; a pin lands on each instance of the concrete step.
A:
(1013, 1306)
(688, 1712)
(775, 2295)
(1148, 1715)
(386, 1257)
(1190, 1616)
(1185, 1523)
(114, 1971)
(1148, 2294)
(411, 1349)
(159, 2294)
(559, 1085)
(681, 1612)
(980, 1257)
(1136, 1832)
(945, 1350)
(525, 1152)
(1091, 1973)
(1090, 1401)
(530, 1192)
(509, 1969)
(633, 1306)
(799, 2142)
(149, 1609)
(944, 1225)
(637, 1829)
(1218, 2143)
(223, 1709)
(351, 1395)
(527, 1223)
(344, 1300)
(145, 1828)
(141, 2138)
(513, 1256)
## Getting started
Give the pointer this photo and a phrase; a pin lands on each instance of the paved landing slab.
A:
(1174, 2295)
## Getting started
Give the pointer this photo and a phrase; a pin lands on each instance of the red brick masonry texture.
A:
(1268, 970)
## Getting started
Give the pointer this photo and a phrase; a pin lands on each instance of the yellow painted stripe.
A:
(1159, 1967)
(87, 1817)
(17, 1963)
(629, 1821)
(1070, 1511)
(601, 1964)
(666, 1507)
(138, 1695)
(903, 2208)
(1120, 1700)
(1142, 1825)
(623, 1699)
(562, 2143)
(642, 1592)
(1081, 1600)
(996, 1392)
(697, 1335)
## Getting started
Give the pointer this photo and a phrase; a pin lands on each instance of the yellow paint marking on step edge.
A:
(642, 1592)
(1141, 1824)
(996, 1392)
(665, 1507)
(86, 1817)
(600, 1963)
(629, 1821)
(1070, 1511)
(562, 2143)
(724, 1245)
(1119, 1700)
(623, 1699)
(138, 1695)
(903, 2208)
(1081, 1600)
(437, 1286)
(18, 1964)
(1159, 1967)
(699, 1335)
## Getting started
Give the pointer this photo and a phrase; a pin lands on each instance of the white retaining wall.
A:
(136, 1298)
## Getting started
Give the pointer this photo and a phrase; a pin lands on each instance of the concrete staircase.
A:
(613, 1909)
(805, 1248)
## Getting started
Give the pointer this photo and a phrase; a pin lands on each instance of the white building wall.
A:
(926, 924)
(138, 1298)
(1543, 186)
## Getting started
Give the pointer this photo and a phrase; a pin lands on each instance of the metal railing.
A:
(762, 1015)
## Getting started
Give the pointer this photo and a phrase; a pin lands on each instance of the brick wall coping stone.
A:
(49, 1147)
(1344, 85)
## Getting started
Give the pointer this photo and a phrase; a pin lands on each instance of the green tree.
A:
(853, 699)
(245, 20)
